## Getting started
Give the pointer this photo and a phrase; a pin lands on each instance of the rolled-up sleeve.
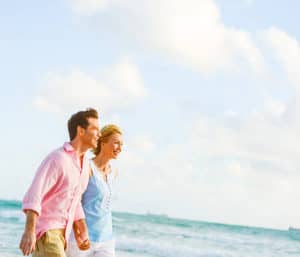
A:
(45, 178)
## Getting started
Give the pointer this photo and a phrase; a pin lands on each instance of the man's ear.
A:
(80, 131)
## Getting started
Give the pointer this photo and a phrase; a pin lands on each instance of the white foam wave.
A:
(12, 214)
(163, 249)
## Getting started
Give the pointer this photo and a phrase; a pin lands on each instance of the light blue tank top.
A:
(96, 203)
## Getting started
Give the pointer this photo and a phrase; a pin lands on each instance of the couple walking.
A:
(68, 205)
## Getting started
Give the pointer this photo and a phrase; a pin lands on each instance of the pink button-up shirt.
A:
(55, 193)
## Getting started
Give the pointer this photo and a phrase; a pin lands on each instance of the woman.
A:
(96, 201)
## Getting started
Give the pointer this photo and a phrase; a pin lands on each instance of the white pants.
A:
(104, 249)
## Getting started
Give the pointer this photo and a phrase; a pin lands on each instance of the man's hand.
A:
(27, 244)
(81, 234)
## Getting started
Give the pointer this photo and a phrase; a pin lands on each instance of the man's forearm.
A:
(28, 240)
(31, 217)
(81, 234)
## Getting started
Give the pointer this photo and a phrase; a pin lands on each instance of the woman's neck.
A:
(102, 162)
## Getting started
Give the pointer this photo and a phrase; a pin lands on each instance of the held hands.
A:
(27, 244)
(81, 234)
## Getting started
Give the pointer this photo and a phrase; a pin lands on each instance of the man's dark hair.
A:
(80, 119)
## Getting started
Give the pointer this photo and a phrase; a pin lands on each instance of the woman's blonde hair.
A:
(106, 132)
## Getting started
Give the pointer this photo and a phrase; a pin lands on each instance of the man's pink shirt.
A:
(55, 193)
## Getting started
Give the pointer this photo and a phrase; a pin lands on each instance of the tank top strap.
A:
(113, 174)
(93, 167)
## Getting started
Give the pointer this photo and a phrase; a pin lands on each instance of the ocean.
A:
(162, 236)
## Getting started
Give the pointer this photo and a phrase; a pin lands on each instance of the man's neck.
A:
(79, 149)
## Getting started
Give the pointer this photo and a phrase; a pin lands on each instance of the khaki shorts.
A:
(51, 244)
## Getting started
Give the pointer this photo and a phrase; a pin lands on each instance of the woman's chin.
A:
(114, 156)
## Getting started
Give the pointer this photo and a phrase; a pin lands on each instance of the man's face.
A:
(91, 134)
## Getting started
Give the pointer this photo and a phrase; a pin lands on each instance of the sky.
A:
(205, 91)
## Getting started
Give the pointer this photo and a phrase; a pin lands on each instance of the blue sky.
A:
(207, 93)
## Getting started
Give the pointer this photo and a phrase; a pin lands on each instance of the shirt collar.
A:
(68, 147)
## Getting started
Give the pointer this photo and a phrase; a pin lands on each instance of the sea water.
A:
(162, 236)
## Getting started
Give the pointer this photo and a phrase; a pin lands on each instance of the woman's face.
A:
(113, 146)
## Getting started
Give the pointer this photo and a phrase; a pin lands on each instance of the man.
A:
(52, 202)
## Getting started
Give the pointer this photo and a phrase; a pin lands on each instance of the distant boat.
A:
(293, 229)
(294, 233)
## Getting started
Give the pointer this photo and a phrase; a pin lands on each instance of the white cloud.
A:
(143, 143)
(246, 174)
(118, 86)
(235, 169)
(287, 50)
(190, 32)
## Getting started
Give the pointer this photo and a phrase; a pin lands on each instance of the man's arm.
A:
(27, 244)
(80, 229)
(81, 234)
(45, 177)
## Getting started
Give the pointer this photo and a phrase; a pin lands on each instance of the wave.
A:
(12, 216)
(162, 248)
